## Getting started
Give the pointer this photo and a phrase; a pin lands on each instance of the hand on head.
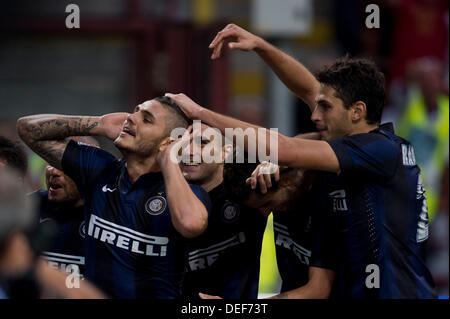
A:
(262, 175)
(188, 106)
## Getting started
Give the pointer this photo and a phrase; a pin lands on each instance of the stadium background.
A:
(127, 51)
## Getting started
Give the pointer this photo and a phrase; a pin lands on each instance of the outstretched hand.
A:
(236, 38)
(112, 124)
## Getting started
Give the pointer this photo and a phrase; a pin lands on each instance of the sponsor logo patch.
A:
(126, 238)
(205, 257)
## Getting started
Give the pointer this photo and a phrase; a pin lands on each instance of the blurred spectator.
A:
(438, 256)
(16, 255)
(424, 122)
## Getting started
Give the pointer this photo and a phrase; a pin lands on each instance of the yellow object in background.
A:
(430, 137)
(203, 11)
(269, 277)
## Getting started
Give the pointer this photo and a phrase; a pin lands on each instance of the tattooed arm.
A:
(45, 134)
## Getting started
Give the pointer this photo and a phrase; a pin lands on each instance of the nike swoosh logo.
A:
(107, 189)
(41, 220)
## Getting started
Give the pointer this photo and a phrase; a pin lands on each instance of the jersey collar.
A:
(125, 184)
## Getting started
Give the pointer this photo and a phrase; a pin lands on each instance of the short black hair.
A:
(234, 176)
(13, 155)
(179, 119)
(357, 80)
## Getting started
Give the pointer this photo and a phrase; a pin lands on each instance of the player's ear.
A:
(358, 111)
(165, 141)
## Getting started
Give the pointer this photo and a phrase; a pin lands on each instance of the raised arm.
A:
(292, 151)
(188, 213)
(45, 134)
(290, 71)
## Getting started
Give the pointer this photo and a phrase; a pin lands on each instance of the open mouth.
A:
(53, 187)
(191, 164)
(321, 130)
(128, 131)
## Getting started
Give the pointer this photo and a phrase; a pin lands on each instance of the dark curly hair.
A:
(13, 155)
(357, 80)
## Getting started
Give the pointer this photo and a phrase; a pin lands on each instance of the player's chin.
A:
(121, 143)
(56, 198)
(327, 136)
(190, 177)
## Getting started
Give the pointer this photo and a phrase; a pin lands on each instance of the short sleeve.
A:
(84, 164)
(367, 154)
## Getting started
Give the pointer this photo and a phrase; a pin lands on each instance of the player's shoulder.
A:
(198, 189)
(201, 193)
(92, 151)
(381, 140)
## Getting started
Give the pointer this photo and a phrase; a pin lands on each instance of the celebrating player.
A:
(139, 210)
(302, 265)
(377, 217)
(61, 206)
(225, 259)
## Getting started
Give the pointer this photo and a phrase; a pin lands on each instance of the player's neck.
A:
(138, 166)
(363, 127)
(215, 180)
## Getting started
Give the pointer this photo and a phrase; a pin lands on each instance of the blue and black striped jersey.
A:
(298, 240)
(377, 215)
(225, 260)
(66, 247)
(293, 240)
(132, 247)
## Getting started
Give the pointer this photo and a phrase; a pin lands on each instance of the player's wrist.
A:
(260, 45)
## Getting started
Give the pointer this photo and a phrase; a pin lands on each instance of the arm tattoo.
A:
(46, 134)
(51, 151)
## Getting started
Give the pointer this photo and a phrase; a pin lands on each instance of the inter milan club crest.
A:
(155, 205)
(230, 212)
(82, 229)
